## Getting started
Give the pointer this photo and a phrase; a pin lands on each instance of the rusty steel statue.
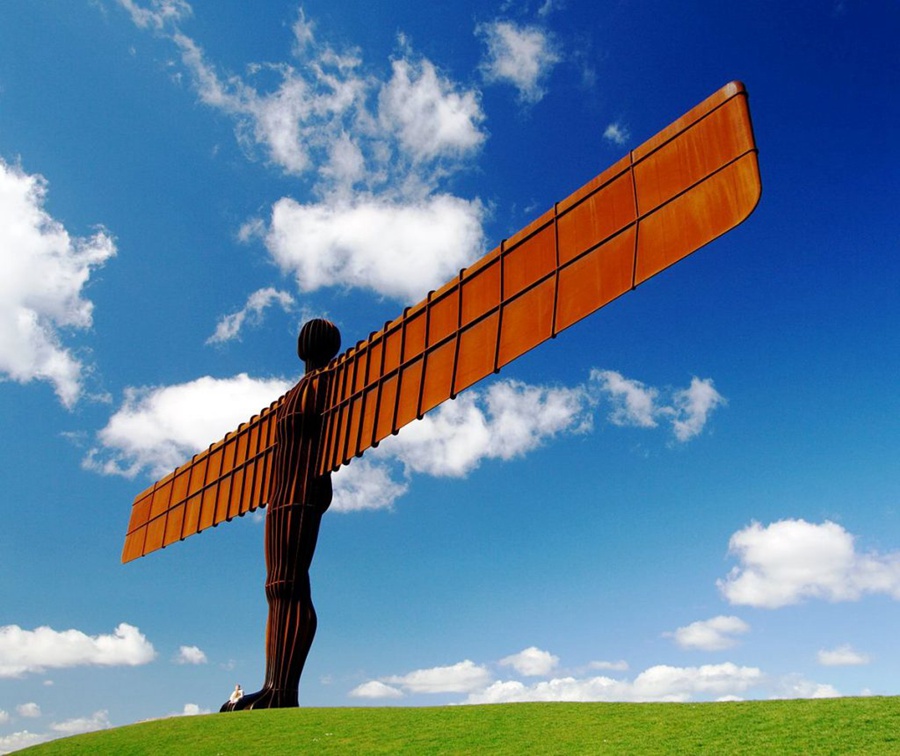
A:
(298, 501)
(684, 187)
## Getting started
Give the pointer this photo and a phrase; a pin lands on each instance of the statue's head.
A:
(318, 342)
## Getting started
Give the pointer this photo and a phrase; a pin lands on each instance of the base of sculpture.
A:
(267, 698)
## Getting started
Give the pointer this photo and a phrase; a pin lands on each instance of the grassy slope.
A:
(831, 726)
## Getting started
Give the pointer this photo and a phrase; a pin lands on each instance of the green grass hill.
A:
(826, 726)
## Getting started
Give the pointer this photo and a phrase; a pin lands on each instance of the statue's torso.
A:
(297, 432)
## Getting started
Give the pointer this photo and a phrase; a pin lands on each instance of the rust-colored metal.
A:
(689, 184)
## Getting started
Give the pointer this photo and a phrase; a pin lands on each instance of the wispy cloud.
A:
(376, 148)
(691, 408)
(522, 56)
(229, 326)
(635, 404)
(617, 134)
(427, 114)
(159, 14)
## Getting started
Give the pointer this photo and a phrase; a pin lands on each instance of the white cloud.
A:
(157, 429)
(692, 407)
(399, 249)
(298, 121)
(713, 634)
(522, 56)
(229, 327)
(4, 716)
(464, 677)
(30, 710)
(531, 662)
(23, 651)
(159, 14)
(377, 148)
(842, 656)
(375, 689)
(663, 683)
(792, 560)
(617, 134)
(505, 421)
(328, 116)
(659, 683)
(190, 655)
(99, 720)
(191, 710)
(19, 740)
(427, 114)
(795, 686)
(635, 404)
(613, 666)
(364, 485)
(45, 271)
(550, 6)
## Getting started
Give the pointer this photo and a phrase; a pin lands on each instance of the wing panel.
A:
(443, 316)
(208, 506)
(408, 397)
(156, 530)
(387, 403)
(481, 290)
(477, 351)
(526, 321)
(198, 494)
(679, 190)
(174, 523)
(596, 279)
(597, 216)
(134, 544)
(192, 515)
(703, 148)
(529, 262)
(438, 376)
(693, 219)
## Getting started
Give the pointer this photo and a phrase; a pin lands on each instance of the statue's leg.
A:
(291, 535)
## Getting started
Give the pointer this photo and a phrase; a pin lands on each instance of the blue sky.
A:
(692, 495)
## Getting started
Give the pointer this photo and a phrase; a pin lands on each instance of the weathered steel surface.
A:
(689, 184)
